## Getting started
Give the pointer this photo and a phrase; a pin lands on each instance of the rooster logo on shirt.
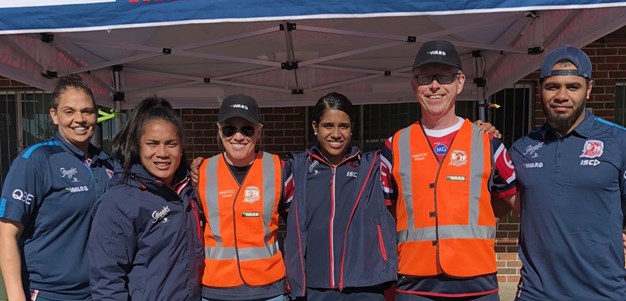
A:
(592, 149)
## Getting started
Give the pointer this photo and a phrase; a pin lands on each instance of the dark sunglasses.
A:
(246, 130)
(442, 78)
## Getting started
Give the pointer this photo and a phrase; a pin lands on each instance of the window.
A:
(8, 135)
(513, 119)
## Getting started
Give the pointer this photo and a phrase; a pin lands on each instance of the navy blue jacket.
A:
(146, 241)
(573, 193)
(365, 252)
(51, 189)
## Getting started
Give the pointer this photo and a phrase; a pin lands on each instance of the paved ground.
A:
(507, 291)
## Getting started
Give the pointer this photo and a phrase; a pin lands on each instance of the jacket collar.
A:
(142, 179)
(353, 152)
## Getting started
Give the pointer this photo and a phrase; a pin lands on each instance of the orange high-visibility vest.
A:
(445, 219)
(242, 223)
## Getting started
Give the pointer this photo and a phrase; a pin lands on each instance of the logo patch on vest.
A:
(250, 214)
(458, 158)
(592, 149)
(251, 194)
(456, 178)
(441, 149)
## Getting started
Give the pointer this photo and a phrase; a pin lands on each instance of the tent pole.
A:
(117, 98)
(479, 80)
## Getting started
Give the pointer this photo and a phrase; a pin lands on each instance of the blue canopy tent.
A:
(284, 53)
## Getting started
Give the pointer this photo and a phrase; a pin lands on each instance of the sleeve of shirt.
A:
(288, 189)
(503, 182)
(386, 177)
(111, 248)
(622, 180)
(24, 187)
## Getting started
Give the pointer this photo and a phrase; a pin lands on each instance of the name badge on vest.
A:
(251, 214)
(456, 178)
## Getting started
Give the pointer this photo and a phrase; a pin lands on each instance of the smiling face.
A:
(160, 149)
(75, 117)
(239, 147)
(333, 134)
(437, 99)
(564, 98)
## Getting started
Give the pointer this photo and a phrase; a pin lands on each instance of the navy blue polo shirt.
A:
(50, 190)
(573, 189)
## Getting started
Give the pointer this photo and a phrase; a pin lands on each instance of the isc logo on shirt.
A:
(589, 162)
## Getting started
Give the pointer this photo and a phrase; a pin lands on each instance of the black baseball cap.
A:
(242, 106)
(439, 52)
(569, 53)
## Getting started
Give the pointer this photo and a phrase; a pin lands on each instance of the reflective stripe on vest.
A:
(244, 253)
(445, 220)
(221, 252)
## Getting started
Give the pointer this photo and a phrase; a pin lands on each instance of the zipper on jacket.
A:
(345, 236)
(197, 218)
(301, 253)
(331, 228)
(381, 243)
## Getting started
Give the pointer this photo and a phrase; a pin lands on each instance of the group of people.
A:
(420, 214)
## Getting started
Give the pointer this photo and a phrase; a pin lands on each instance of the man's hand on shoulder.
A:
(195, 165)
(488, 128)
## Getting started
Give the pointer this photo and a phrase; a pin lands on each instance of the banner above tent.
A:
(284, 53)
(79, 15)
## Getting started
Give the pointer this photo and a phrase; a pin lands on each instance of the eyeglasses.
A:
(246, 130)
(442, 78)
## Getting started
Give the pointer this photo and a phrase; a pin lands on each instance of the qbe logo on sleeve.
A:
(22, 196)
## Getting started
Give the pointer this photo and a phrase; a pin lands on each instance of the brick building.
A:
(287, 129)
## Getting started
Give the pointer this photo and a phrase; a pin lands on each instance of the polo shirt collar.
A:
(96, 153)
(584, 129)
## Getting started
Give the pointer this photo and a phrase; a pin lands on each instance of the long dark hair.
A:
(69, 81)
(332, 101)
(125, 145)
